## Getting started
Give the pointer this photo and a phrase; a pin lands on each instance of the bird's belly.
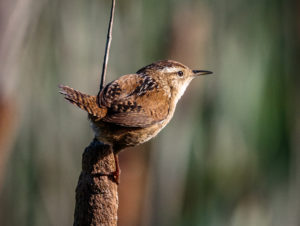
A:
(121, 137)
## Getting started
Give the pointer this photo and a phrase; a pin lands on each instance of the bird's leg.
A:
(117, 172)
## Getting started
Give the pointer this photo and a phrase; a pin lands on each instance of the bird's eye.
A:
(180, 73)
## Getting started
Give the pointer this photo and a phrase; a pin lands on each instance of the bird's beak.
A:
(201, 72)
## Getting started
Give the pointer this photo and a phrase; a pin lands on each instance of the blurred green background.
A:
(231, 154)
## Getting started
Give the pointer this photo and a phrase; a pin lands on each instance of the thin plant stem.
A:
(107, 47)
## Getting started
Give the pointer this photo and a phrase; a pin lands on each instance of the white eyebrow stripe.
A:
(169, 69)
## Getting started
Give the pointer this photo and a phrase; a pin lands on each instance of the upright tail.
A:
(84, 101)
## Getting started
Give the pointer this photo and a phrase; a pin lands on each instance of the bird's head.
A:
(174, 74)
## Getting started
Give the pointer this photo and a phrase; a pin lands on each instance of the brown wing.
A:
(134, 100)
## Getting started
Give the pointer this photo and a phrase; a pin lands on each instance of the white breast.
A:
(182, 90)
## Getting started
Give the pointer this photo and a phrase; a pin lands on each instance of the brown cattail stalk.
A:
(96, 192)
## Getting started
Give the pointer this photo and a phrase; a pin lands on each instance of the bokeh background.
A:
(231, 154)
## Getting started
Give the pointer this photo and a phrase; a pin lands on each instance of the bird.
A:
(135, 107)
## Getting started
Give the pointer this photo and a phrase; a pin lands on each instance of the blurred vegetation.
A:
(229, 157)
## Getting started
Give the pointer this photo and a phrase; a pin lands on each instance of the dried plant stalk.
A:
(96, 192)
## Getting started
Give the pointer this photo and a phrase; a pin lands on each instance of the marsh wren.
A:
(136, 107)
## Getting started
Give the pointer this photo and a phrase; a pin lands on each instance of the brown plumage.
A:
(84, 101)
(134, 108)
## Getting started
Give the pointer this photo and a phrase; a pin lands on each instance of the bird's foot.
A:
(117, 172)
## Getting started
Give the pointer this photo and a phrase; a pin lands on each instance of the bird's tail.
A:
(84, 101)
